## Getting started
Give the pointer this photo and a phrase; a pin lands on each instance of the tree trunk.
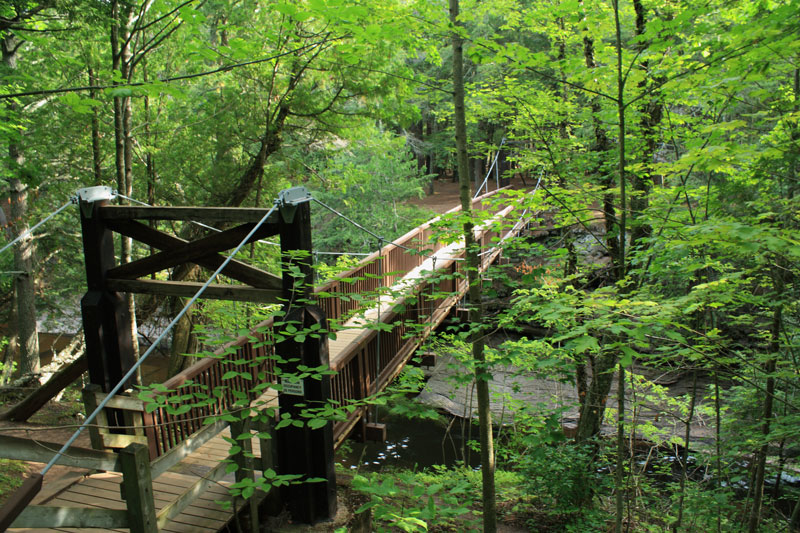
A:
(121, 62)
(482, 375)
(594, 405)
(183, 342)
(619, 478)
(766, 418)
(28, 334)
(600, 147)
(651, 113)
(97, 160)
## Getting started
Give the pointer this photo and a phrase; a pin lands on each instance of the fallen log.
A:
(34, 401)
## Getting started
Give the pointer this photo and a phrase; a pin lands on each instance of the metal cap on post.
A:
(88, 196)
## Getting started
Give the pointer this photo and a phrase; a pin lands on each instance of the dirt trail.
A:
(446, 195)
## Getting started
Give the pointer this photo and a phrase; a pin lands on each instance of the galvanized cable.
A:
(34, 228)
(359, 226)
(492, 167)
(120, 195)
(153, 346)
(525, 212)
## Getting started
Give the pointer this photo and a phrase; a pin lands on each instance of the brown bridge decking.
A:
(186, 460)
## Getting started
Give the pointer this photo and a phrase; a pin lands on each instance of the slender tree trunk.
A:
(27, 330)
(121, 14)
(766, 418)
(429, 155)
(623, 208)
(794, 156)
(97, 159)
(651, 114)
(685, 455)
(718, 445)
(473, 277)
(601, 147)
(24, 286)
(594, 405)
(619, 479)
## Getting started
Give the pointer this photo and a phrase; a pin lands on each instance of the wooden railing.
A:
(190, 398)
(392, 261)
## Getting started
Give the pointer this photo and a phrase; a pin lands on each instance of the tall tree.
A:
(472, 254)
(24, 282)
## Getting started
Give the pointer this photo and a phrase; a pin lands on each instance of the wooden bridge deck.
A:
(207, 513)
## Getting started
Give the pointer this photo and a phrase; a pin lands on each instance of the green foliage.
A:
(368, 178)
(439, 499)
(10, 476)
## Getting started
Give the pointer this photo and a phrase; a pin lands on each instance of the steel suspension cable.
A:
(34, 228)
(212, 228)
(359, 226)
(153, 346)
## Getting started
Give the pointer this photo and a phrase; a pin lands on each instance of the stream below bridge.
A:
(654, 403)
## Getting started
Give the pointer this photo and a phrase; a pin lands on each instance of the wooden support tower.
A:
(109, 344)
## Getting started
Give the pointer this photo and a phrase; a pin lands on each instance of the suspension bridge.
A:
(162, 463)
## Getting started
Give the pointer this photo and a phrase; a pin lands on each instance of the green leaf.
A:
(627, 356)
(584, 343)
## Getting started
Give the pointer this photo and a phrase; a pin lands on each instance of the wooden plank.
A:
(235, 269)
(49, 516)
(119, 401)
(199, 214)
(163, 495)
(90, 403)
(187, 289)
(182, 482)
(16, 503)
(105, 490)
(137, 488)
(42, 452)
(186, 448)
(190, 252)
(175, 508)
(114, 440)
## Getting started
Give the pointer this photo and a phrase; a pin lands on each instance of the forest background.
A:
(668, 133)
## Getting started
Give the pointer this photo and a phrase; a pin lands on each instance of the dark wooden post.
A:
(106, 323)
(137, 488)
(503, 169)
(296, 253)
(302, 450)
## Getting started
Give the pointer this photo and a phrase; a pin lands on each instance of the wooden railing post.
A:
(246, 466)
(302, 450)
(90, 404)
(137, 489)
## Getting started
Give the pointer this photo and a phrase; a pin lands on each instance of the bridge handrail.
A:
(393, 258)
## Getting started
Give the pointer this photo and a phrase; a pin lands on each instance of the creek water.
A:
(412, 444)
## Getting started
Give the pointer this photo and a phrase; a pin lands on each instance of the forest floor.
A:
(446, 194)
